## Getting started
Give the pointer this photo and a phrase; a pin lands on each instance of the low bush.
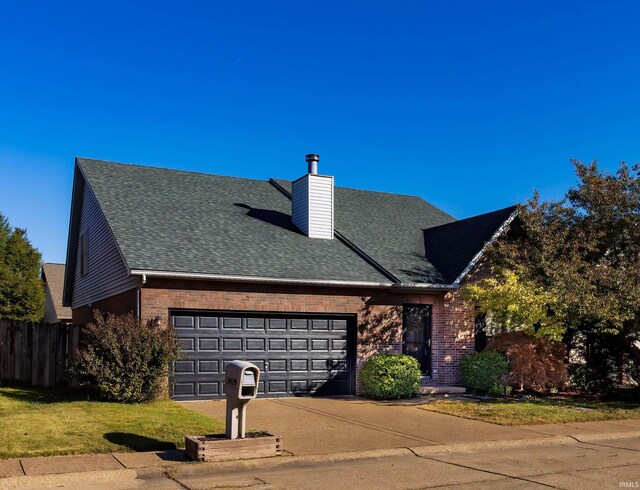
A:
(591, 380)
(500, 390)
(390, 376)
(537, 363)
(126, 360)
(481, 372)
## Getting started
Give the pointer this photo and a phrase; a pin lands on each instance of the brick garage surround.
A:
(379, 313)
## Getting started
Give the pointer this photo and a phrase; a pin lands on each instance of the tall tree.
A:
(21, 290)
(572, 265)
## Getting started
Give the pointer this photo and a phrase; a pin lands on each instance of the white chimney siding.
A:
(312, 205)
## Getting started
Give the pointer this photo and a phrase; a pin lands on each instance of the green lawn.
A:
(543, 411)
(45, 423)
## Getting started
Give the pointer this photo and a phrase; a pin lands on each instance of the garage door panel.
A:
(320, 344)
(339, 325)
(184, 367)
(209, 366)
(277, 366)
(205, 344)
(207, 322)
(231, 344)
(296, 355)
(277, 345)
(299, 344)
(320, 325)
(187, 344)
(184, 388)
(256, 344)
(298, 324)
(255, 323)
(232, 323)
(277, 324)
(183, 322)
(209, 388)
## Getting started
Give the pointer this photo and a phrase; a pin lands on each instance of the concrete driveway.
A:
(329, 425)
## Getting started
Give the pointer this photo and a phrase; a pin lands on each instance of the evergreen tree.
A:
(21, 290)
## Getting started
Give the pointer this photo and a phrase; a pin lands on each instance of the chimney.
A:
(312, 202)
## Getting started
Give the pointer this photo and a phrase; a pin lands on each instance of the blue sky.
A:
(470, 105)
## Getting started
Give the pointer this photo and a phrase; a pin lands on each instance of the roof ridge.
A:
(367, 190)
(166, 169)
(176, 170)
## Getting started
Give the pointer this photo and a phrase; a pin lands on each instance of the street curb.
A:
(63, 479)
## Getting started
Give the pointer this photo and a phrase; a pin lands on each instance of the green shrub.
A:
(389, 376)
(124, 359)
(500, 390)
(482, 371)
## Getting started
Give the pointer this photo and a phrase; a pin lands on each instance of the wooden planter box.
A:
(212, 448)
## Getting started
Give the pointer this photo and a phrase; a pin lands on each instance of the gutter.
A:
(288, 281)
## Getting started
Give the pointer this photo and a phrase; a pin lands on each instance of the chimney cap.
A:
(312, 157)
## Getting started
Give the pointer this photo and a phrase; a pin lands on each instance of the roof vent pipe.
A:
(312, 161)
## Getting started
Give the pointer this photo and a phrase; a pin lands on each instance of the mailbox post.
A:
(240, 386)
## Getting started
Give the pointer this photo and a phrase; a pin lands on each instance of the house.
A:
(53, 280)
(303, 278)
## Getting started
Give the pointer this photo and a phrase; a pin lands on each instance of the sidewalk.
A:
(316, 432)
(479, 462)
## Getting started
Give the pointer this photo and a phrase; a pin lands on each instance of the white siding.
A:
(107, 274)
(300, 204)
(312, 205)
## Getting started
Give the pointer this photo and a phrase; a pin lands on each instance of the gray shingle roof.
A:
(168, 220)
(451, 247)
(388, 227)
(177, 221)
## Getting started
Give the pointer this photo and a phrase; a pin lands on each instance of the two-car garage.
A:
(298, 354)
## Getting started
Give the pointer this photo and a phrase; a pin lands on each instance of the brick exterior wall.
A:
(120, 304)
(379, 313)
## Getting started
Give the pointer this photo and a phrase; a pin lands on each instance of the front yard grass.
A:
(536, 411)
(47, 423)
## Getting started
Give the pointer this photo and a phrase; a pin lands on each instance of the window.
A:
(84, 255)
(485, 329)
(481, 331)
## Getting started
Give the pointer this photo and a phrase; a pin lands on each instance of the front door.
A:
(416, 339)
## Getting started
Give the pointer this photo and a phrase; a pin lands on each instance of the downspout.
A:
(139, 297)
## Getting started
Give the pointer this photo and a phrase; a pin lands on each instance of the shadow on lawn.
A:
(136, 442)
(44, 396)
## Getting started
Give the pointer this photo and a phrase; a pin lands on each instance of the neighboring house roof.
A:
(53, 276)
(193, 223)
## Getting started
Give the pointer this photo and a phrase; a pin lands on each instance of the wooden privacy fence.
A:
(36, 354)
